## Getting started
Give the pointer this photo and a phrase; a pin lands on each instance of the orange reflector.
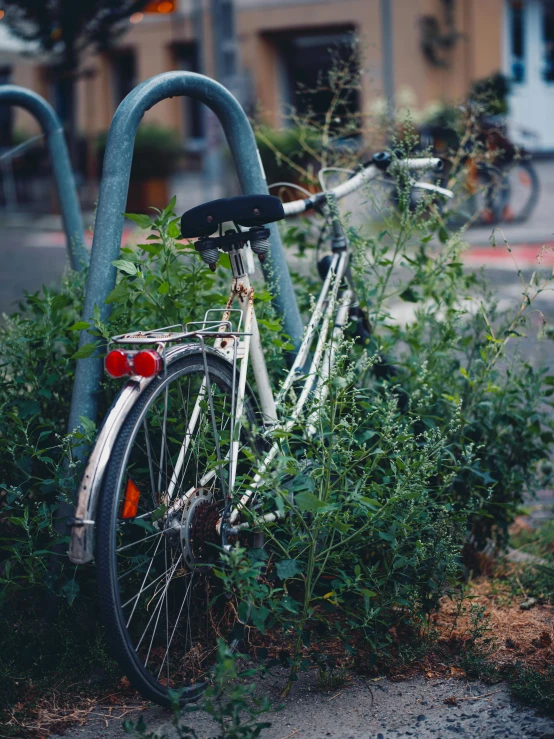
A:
(130, 502)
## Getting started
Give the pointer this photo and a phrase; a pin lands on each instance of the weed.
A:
(229, 702)
(533, 688)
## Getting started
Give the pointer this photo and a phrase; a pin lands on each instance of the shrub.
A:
(37, 345)
(160, 282)
(458, 348)
(289, 154)
(366, 538)
(156, 154)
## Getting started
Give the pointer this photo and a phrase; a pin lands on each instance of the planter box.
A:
(145, 194)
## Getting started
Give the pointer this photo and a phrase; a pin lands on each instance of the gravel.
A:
(368, 709)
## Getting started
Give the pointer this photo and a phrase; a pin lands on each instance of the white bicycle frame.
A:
(249, 349)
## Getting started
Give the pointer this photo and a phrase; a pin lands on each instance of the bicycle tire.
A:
(478, 199)
(119, 629)
(523, 192)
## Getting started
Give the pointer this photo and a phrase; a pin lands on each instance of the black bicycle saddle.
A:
(246, 210)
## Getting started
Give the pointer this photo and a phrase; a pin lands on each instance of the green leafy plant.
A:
(229, 701)
(365, 538)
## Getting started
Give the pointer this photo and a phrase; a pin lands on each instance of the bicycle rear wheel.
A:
(157, 540)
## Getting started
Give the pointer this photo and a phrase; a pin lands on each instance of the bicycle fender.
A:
(81, 544)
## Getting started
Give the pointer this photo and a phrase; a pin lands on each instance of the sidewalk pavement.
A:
(526, 240)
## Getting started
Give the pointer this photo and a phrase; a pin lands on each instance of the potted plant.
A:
(156, 157)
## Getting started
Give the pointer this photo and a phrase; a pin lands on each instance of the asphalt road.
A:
(26, 263)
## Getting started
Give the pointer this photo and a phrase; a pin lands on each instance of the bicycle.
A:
(503, 187)
(164, 486)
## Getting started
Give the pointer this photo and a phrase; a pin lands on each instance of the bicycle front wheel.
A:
(157, 539)
(524, 189)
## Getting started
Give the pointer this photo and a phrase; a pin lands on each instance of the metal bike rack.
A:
(61, 167)
(113, 197)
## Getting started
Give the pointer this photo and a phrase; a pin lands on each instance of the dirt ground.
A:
(365, 708)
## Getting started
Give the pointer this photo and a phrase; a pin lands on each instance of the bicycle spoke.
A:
(140, 541)
(160, 601)
(143, 589)
(177, 620)
(149, 456)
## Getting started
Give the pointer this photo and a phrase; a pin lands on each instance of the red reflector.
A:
(117, 363)
(130, 502)
(147, 363)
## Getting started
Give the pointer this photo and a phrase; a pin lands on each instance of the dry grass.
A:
(58, 710)
(524, 636)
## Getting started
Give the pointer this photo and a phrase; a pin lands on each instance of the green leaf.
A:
(287, 568)
(290, 604)
(79, 326)
(140, 219)
(143, 524)
(124, 266)
(163, 288)
(88, 426)
(173, 230)
(308, 502)
(410, 295)
(153, 249)
(371, 502)
(70, 590)
(302, 482)
(257, 555)
(258, 616)
(170, 207)
(341, 526)
(119, 294)
(86, 350)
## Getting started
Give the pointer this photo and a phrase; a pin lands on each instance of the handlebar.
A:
(380, 162)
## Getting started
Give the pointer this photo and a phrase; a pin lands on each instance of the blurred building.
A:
(438, 48)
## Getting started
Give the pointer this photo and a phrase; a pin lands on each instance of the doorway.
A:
(529, 65)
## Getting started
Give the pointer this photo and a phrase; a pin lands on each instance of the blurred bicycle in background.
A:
(494, 180)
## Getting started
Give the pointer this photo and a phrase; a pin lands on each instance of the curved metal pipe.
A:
(61, 167)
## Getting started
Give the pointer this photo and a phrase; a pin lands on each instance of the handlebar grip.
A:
(423, 163)
(294, 207)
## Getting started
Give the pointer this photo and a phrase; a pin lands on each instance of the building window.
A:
(123, 72)
(548, 38)
(517, 41)
(186, 58)
(307, 64)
